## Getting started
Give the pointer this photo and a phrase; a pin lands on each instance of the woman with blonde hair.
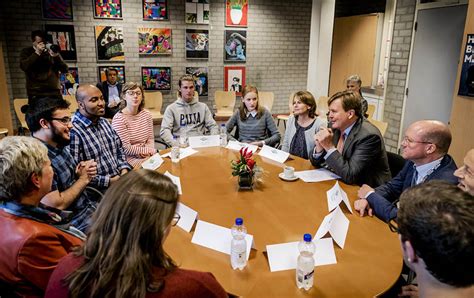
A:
(123, 255)
(254, 123)
(302, 126)
(134, 125)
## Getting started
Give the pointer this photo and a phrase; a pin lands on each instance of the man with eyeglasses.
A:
(92, 137)
(49, 121)
(425, 147)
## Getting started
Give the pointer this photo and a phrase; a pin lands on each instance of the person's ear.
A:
(351, 114)
(35, 180)
(409, 252)
(431, 148)
(44, 123)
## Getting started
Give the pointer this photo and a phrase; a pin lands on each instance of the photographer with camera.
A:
(42, 65)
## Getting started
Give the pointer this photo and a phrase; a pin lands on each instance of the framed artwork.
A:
(235, 45)
(197, 44)
(200, 79)
(107, 9)
(236, 12)
(57, 9)
(63, 36)
(109, 40)
(120, 70)
(466, 82)
(154, 41)
(155, 10)
(234, 79)
(197, 11)
(156, 78)
(69, 81)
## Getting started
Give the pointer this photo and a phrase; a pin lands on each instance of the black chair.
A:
(395, 163)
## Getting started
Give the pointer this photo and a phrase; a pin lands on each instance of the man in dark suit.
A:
(111, 89)
(352, 148)
(425, 146)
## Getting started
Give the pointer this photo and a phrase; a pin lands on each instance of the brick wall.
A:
(397, 73)
(277, 44)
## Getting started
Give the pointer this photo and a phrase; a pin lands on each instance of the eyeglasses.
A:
(175, 219)
(132, 93)
(65, 120)
(410, 141)
(393, 225)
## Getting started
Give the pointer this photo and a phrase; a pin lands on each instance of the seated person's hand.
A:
(257, 143)
(362, 205)
(86, 170)
(145, 155)
(324, 138)
(363, 191)
(409, 291)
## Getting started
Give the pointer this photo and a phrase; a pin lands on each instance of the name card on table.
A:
(176, 181)
(234, 145)
(284, 256)
(183, 153)
(337, 224)
(153, 163)
(274, 154)
(187, 217)
(317, 175)
(335, 195)
(204, 141)
(216, 237)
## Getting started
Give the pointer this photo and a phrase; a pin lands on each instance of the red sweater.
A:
(180, 283)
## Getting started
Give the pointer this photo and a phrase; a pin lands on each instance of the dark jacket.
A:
(104, 88)
(363, 159)
(383, 200)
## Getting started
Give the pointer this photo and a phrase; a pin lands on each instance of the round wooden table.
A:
(275, 212)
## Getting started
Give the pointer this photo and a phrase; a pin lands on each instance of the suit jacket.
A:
(383, 200)
(104, 87)
(363, 159)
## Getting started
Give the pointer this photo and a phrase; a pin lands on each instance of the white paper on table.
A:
(204, 141)
(317, 175)
(337, 224)
(183, 153)
(187, 217)
(234, 145)
(153, 163)
(274, 154)
(175, 180)
(335, 195)
(284, 256)
(216, 237)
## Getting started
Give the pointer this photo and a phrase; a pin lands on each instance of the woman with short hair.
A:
(302, 126)
(134, 125)
(123, 255)
(354, 83)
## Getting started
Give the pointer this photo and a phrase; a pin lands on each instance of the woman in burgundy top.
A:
(123, 255)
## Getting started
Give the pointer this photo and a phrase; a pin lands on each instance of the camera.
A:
(53, 47)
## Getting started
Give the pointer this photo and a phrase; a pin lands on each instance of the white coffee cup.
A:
(289, 172)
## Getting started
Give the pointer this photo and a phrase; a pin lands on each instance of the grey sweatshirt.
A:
(195, 117)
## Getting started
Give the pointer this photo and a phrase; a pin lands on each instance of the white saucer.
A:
(282, 177)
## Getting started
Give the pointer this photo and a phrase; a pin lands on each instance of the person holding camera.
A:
(42, 65)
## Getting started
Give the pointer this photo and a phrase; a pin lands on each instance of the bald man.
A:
(425, 147)
(92, 137)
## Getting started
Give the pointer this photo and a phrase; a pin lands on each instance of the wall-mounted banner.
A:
(466, 83)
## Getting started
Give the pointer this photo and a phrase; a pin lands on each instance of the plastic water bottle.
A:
(175, 151)
(305, 263)
(183, 137)
(223, 135)
(238, 246)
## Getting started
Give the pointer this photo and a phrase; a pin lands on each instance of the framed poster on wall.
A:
(155, 10)
(234, 79)
(63, 36)
(466, 82)
(200, 79)
(236, 12)
(156, 78)
(109, 41)
(197, 44)
(235, 45)
(197, 11)
(57, 10)
(69, 81)
(107, 9)
(120, 72)
(154, 41)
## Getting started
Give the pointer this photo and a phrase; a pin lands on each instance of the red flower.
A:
(250, 163)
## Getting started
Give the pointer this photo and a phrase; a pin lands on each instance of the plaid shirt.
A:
(64, 167)
(101, 143)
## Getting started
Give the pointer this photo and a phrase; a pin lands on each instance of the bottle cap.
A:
(223, 124)
(307, 237)
(239, 221)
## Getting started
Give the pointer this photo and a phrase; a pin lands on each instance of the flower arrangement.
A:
(245, 165)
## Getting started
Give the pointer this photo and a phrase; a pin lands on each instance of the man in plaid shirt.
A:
(92, 137)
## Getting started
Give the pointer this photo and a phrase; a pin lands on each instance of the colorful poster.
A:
(235, 46)
(107, 9)
(120, 73)
(69, 81)
(197, 44)
(200, 79)
(236, 12)
(155, 10)
(197, 11)
(109, 40)
(466, 83)
(63, 36)
(156, 78)
(234, 79)
(154, 41)
(57, 9)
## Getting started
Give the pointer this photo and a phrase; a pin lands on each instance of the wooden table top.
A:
(275, 212)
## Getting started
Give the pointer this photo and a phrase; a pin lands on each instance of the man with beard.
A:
(111, 89)
(92, 137)
(49, 121)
